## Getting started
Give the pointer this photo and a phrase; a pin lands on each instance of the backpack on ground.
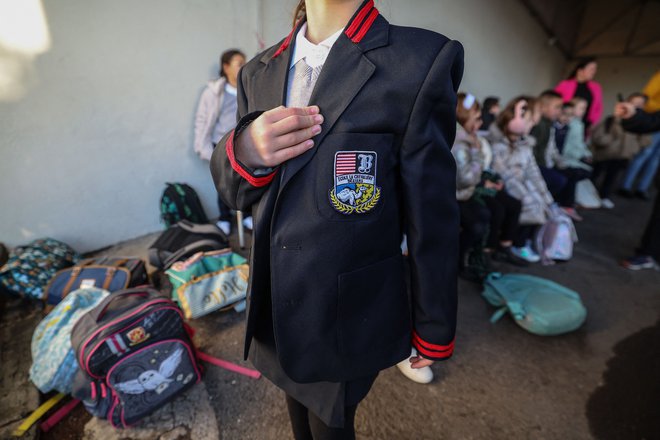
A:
(29, 268)
(586, 195)
(106, 273)
(183, 240)
(555, 239)
(53, 359)
(180, 202)
(135, 354)
(538, 305)
(209, 281)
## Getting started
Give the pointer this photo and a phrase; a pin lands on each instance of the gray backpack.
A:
(135, 354)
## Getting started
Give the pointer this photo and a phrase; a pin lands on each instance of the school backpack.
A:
(555, 239)
(107, 273)
(180, 202)
(135, 354)
(53, 359)
(209, 281)
(540, 306)
(29, 268)
(183, 240)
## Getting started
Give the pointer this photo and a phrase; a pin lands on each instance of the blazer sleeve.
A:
(428, 176)
(239, 186)
(643, 122)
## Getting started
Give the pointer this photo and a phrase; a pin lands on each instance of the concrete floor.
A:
(602, 381)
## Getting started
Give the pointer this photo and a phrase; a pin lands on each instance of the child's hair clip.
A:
(468, 101)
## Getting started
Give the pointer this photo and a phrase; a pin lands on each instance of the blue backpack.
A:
(53, 358)
(538, 305)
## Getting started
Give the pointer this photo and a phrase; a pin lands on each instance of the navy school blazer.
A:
(328, 223)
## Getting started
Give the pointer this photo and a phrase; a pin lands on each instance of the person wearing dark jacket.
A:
(648, 253)
(335, 179)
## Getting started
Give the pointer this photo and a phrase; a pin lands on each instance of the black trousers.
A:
(566, 196)
(225, 213)
(611, 169)
(307, 426)
(504, 218)
(475, 221)
(650, 244)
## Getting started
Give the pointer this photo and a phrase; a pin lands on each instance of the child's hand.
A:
(278, 135)
(420, 362)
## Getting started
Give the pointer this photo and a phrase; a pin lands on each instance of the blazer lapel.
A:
(344, 74)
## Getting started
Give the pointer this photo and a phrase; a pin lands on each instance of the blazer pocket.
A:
(373, 309)
(354, 175)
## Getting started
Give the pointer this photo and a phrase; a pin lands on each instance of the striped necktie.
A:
(302, 85)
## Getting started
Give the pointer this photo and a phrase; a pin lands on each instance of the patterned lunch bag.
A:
(30, 267)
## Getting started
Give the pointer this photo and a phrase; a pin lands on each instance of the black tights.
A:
(525, 232)
(307, 426)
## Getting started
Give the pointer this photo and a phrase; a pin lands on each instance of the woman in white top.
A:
(216, 116)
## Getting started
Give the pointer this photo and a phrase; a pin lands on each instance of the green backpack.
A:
(180, 202)
(538, 305)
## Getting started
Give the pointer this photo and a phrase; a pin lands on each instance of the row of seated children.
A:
(526, 166)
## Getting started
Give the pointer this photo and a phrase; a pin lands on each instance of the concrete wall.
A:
(104, 118)
(95, 125)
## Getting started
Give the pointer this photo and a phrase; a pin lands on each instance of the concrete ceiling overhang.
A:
(600, 28)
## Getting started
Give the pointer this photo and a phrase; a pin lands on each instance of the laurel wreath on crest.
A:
(359, 209)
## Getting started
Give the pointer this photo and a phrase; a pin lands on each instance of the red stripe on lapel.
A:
(254, 181)
(286, 43)
(365, 27)
(350, 31)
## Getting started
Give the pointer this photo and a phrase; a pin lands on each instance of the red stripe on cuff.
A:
(365, 27)
(432, 350)
(254, 181)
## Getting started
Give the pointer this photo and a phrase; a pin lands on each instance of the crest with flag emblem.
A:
(355, 190)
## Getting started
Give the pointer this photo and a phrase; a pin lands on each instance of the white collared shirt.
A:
(314, 54)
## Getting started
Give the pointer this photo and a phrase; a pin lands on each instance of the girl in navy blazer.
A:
(333, 186)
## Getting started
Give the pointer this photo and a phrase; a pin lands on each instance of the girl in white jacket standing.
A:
(216, 115)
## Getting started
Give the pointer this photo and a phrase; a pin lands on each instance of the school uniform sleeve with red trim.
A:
(428, 175)
(238, 185)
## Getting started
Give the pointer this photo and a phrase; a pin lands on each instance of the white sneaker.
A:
(247, 222)
(224, 226)
(419, 375)
(526, 253)
(607, 204)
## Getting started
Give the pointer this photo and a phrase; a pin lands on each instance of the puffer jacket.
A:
(206, 117)
(471, 154)
(522, 178)
(610, 141)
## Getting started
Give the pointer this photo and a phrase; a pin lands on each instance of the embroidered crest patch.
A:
(355, 190)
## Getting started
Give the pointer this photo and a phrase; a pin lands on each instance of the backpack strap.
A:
(109, 275)
(58, 415)
(249, 372)
(75, 271)
(201, 228)
(172, 258)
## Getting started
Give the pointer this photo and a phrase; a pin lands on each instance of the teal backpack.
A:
(538, 305)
